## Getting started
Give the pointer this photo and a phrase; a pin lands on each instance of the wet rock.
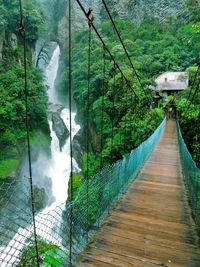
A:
(39, 198)
(78, 147)
(43, 196)
(55, 108)
(60, 129)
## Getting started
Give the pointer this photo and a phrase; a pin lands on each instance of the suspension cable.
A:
(87, 123)
(70, 131)
(113, 106)
(106, 48)
(195, 92)
(120, 112)
(126, 111)
(126, 52)
(23, 34)
(189, 102)
(121, 103)
(193, 82)
(102, 106)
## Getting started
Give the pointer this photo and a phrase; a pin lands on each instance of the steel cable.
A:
(23, 34)
(101, 39)
(125, 50)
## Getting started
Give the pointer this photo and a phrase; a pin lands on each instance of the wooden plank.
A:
(120, 259)
(171, 237)
(142, 249)
(145, 227)
(92, 262)
(141, 219)
(161, 241)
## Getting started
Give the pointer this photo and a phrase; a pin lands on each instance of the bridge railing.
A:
(96, 198)
(192, 178)
(64, 232)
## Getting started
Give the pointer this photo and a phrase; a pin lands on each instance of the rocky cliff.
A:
(132, 9)
(135, 10)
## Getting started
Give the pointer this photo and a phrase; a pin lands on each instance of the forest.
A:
(12, 95)
(154, 48)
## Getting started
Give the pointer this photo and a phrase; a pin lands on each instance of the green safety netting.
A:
(192, 178)
(68, 228)
(96, 198)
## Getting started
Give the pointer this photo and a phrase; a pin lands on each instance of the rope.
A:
(122, 82)
(102, 106)
(87, 126)
(126, 52)
(113, 106)
(70, 133)
(193, 82)
(102, 41)
(195, 92)
(23, 34)
(126, 112)
(133, 106)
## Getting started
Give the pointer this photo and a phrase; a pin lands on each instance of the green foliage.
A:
(54, 12)
(49, 254)
(90, 164)
(189, 116)
(77, 178)
(126, 121)
(33, 18)
(7, 167)
(12, 92)
(12, 108)
(2, 16)
(92, 202)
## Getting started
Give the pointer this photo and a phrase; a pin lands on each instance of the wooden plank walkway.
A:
(151, 225)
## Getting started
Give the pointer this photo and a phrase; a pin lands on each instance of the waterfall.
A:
(51, 74)
(60, 162)
(57, 168)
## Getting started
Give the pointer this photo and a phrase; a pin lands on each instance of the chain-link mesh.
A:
(91, 206)
(192, 178)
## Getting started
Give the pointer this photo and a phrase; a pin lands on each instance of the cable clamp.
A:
(90, 17)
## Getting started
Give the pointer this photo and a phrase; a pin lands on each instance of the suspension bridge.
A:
(151, 224)
(143, 210)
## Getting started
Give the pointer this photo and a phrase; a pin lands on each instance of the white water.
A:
(51, 73)
(58, 169)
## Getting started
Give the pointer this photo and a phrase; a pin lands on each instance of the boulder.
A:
(77, 146)
(39, 198)
(42, 194)
(59, 128)
(55, 108)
